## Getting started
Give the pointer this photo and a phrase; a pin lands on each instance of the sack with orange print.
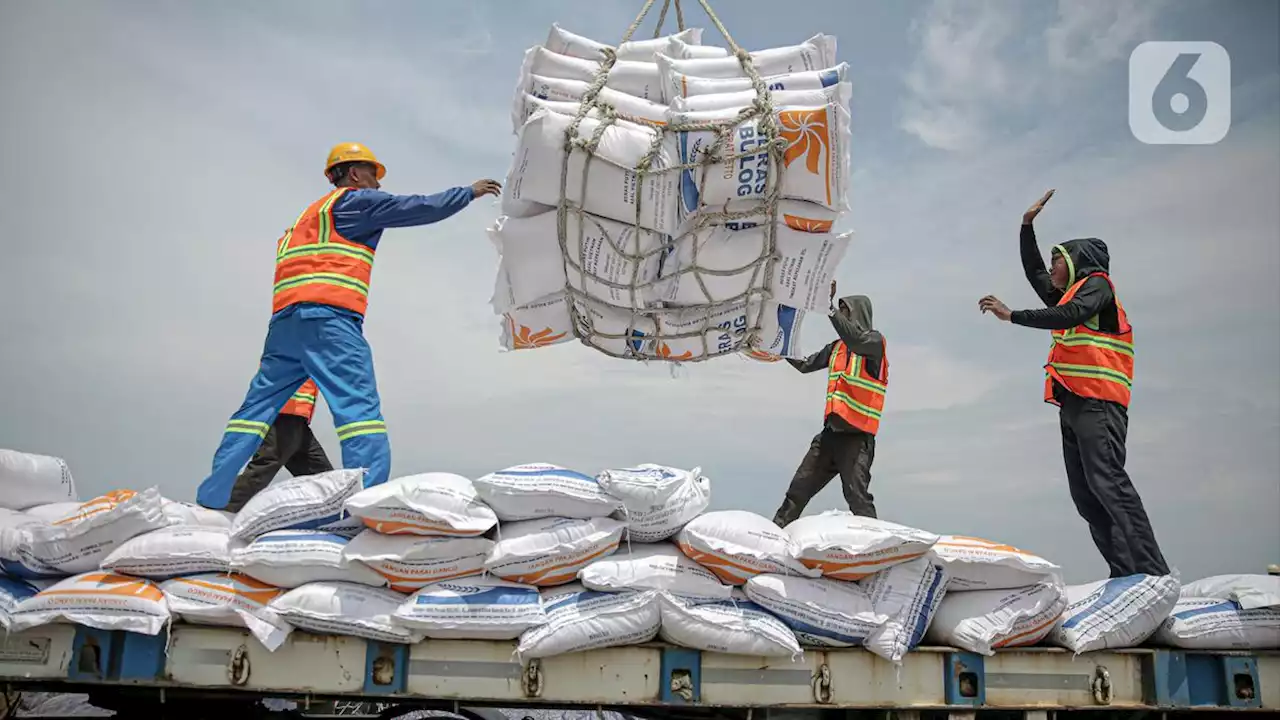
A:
(101, 600)
(228, 601)
(434, 503)
(737, 545)
(172, 551)
(981, 621)
(81, 539)
(978, 564)
(551, 551)
(845, 546)
(408, 562)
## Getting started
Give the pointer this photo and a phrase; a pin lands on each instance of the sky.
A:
(154, 152)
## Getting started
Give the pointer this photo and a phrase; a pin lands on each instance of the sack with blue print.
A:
(301, 503)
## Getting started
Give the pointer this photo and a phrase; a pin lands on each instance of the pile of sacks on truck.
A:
(558, 561)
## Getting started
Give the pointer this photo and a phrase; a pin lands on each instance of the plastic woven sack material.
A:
(79, 541)
(292, 558)
(299, 503)
(851, 547)
(657, 566)
(908, 594)
(634, 77)
(101, 600)
(551, 551)
(657, 501)
(816, 53)
(1215, 624)
(676, 84)
(408, 562)
(981, 621)
(736, 626)
(172, 551)
(579, 619)
(839, 94)
(479, 608)
(541, 490)
(736, 545)
(979, 564)
(432, 504)
(341, 608)
(12, 592)
(820, 611)
(1251, 591)
(228, 601)
(191, 515)
(569, 43)
(28, 479)
(1116, 613)
(805, 54)
(571, 92)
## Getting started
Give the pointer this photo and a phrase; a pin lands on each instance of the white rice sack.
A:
(653, 566)
(171, 551)
(343, 608)
(551, 551)
(908, 594)
(12, 538)
(611, 192)
(840, 94)
(725, 329)
(291, 558)
(977, 564)
(101, 600)
(228, 601)
(1215, 624)
(299, 503)
(981, 621)
(816, 159)
(531, 245)
(816, 53)
(479, 608)
(679, 85)
(571, 92)
(1250, 591)
(638, 78)
(427, 504)
(820, 611)
(78, 542)
(528, 104)
(12, 592)
(536, 325)
(805, 263)
(27, 479)
(192, 515)
(568, 43)
(54, 512)
(408, 562)
(539, 490)
(657, 501)
(1116, 613)
(736, 544)
(851, 547)
(579, 619)
(736, 626)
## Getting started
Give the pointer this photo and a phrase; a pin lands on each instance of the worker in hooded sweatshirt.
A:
(289, 444)
(1089, 376)
(857, 377)
(324, 262)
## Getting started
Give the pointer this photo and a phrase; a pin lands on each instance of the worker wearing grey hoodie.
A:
(857, 377)
(1089, 376)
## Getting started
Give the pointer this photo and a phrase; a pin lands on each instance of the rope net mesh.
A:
(703, 330)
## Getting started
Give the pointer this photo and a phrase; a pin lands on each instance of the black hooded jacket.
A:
(853, 324)
(1084, 256)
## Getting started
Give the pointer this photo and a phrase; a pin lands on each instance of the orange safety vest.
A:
(314, 264)
(852, 394)
(1089, 362)
(303, 402)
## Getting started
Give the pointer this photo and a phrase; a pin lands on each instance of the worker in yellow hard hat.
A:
(323, 266)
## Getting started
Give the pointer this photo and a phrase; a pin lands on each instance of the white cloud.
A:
(1088, 34)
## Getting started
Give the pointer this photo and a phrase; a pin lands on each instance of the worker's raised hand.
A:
(480, 188)
(1034, 210)
(833, 290)
(993, 305)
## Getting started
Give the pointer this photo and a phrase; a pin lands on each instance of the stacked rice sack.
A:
(1225, 612)
(626, 271)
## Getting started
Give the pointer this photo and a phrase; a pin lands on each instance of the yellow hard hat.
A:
(353, 152)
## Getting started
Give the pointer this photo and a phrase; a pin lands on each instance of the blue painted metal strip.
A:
(1164, 679)
(686, 663)
(1223, 681)
(141, 657)
(91, 655)
(964, 677)
(388, 662)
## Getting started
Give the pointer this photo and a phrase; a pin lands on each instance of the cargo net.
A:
(706, 329)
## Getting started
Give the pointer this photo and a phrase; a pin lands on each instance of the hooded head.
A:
(857, 309)
(1076, 259)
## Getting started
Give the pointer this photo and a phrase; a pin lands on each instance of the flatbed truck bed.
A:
(197, 669)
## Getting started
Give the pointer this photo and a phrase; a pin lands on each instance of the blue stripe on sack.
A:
(926, 614)
(1113, 589)
(496, 596)
(19, 570)
(313, 524)
(804, 627)
(547, 473)
(16, 588)
(1227, 606)
(830, 77)
(290, 537)
(579, 597)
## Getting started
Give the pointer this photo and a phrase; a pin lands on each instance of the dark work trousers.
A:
(1093, 445)
(289, 444)
(848, 454)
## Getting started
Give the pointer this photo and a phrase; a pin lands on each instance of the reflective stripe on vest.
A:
(303, 402)
(852, 393)
(1089, 362)
(314, 264)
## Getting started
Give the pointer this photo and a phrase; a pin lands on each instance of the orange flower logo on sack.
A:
(664, 352)
(526, 339)
(762, 356)
(808, 225)
(806, 133)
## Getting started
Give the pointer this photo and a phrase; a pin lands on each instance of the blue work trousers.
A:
(327, 345)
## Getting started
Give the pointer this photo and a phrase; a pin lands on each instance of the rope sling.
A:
(644, 346)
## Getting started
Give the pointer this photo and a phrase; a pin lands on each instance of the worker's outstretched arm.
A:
(815, 362)
(1088, 301)
(1033, 266)
(361, 212)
